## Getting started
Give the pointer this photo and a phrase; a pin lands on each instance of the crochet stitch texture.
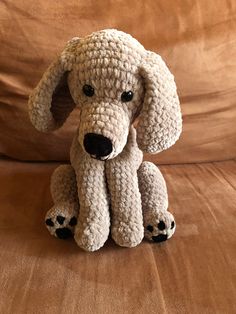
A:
(108, 186)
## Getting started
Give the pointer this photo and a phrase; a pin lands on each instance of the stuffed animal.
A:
(107, 187)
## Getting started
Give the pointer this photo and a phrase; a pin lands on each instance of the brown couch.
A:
(194, 272)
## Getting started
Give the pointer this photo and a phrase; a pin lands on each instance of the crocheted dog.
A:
(112, 79)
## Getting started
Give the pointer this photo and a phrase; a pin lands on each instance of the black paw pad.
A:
(49, 222)
(73, 221)
(161, 225)
(159, 238)
(63, 233)
(150, 228)
(60, 219)
(172, 225)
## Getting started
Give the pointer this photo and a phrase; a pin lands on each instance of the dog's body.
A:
(113, 79)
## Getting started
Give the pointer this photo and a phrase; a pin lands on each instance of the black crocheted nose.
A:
(97, 145)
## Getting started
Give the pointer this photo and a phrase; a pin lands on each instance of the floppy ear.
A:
(50, 102)
(160, 121)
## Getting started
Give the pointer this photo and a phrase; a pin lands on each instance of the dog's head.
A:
(112, 79)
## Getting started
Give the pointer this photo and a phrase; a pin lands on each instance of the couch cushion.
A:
(193, 272)
(196, 38)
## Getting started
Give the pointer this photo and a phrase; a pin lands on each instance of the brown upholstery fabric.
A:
(196, 38)
(194, 272)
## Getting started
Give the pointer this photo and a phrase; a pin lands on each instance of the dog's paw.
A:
(159, 227)
(61, 220)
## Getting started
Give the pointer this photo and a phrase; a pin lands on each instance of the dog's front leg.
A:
(127, 220)
(159, 223)
(93, 225)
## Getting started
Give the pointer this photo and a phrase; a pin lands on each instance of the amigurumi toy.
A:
(113, 80)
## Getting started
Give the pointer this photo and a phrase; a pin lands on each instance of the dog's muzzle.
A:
(97, 145)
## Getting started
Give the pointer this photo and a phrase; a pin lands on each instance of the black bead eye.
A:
(127, 96)
(88, 90)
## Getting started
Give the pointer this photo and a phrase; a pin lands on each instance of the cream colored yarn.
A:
(119, 190)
